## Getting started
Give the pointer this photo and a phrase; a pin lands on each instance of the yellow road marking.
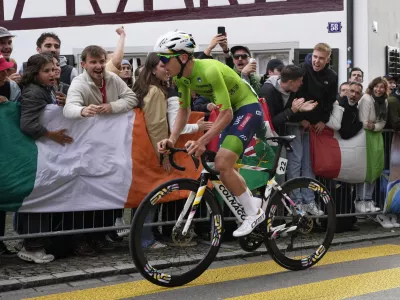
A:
(143, 287)
(335, 289)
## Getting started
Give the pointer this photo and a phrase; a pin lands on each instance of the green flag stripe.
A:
(18, 159)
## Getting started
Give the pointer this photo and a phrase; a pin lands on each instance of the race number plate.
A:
(282, 165)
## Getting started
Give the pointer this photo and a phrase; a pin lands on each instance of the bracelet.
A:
(227, 51)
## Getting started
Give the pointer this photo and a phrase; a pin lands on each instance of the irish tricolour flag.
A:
(111, 163)
(356, 160)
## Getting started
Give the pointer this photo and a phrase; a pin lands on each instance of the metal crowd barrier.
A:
(20, 226)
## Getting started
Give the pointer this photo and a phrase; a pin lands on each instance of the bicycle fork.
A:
(193, 201)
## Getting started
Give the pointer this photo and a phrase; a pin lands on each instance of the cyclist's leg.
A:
(247, 121)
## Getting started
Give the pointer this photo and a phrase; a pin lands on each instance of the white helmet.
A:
(175, 41)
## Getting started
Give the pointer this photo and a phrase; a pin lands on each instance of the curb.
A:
(96, 273)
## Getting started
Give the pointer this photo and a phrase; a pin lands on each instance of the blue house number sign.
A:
(334, 27)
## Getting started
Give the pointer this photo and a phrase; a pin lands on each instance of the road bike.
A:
(187, 218)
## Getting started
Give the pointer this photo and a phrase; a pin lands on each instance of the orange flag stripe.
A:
(146, 172)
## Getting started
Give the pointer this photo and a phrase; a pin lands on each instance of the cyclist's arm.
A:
(180, 123)
(222, 98)
(183, 112)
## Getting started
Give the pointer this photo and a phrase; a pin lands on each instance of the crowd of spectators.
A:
(300, 99)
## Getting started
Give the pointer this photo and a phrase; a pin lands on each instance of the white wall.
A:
(361, 30)
(386, 13)
(302, 30)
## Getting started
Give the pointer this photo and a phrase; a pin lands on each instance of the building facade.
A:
(270, 28)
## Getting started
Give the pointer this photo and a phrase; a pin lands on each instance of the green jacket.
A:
(394, 113)
(253, 80)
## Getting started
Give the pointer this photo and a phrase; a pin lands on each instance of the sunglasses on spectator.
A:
(243, 56)
(165, 58)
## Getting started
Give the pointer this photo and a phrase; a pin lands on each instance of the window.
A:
(263, 58)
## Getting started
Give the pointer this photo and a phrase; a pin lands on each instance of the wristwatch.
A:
(227, 51)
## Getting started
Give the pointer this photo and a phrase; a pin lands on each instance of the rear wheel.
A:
(159, 249)
(305, 246)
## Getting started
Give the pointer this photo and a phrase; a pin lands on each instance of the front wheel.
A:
(162, 253)
(294, 241)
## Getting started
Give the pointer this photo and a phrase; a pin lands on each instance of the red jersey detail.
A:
(103, 91)
(245, 121)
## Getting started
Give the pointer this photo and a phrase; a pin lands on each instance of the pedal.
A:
(282, 231)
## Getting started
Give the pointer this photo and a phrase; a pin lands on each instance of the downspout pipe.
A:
(350, 36)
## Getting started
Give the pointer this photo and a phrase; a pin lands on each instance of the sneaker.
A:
(82, 248)
(312, 209)
(100, 245)
(249, 224)
(361, 206)
(393, 220)
(157, 245)
(121, 222)
(5, 252)
(113, 237)
(384, 221)
(39, 256)
(371, 205)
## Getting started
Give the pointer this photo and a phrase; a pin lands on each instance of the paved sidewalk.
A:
(16, 274)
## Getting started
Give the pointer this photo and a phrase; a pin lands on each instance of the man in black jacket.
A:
(279, 91)
(320, 84)
(351, 123)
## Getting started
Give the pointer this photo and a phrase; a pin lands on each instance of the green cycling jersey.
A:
(217, 82)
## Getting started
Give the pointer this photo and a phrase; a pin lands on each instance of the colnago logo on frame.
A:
(232, 201)
(26, 14)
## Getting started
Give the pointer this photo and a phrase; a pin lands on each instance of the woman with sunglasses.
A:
(239, 119)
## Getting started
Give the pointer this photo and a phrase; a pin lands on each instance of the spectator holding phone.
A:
(246, 67)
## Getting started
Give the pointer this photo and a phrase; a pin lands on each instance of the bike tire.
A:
(161, 278)
(312, 259)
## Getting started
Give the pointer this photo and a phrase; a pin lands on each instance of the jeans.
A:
(364, 191)
(299, 163)
(147, 232)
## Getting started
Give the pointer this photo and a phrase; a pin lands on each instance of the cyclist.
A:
(239, 119)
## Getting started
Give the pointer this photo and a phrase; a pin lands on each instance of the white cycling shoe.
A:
(249, 224)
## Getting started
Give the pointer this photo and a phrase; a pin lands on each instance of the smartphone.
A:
(221, 30)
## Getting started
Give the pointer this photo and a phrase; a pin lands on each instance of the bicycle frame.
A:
(231, 201)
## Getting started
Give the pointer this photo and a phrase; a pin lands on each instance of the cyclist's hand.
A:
(60, 137)
(164, 144)
(203, 125)
(196, 148)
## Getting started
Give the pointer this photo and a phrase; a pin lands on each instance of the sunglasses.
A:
(243, 56)
(165, 58)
